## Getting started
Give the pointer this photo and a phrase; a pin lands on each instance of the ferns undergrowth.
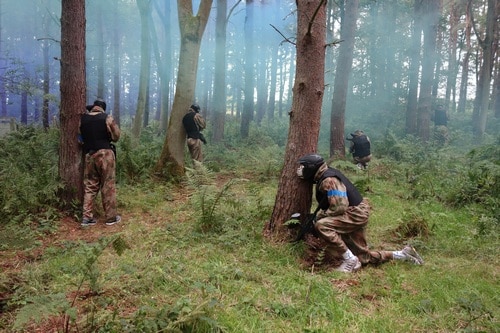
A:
(202, 266)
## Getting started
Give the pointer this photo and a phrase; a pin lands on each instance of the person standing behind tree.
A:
(440, 119)
(360, 148)
(98, 130)
(193, 124)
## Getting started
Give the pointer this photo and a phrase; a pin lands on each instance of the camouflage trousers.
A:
(441, 135)
(363, 160)
(348, 231)
(194, 146)
(99, 175)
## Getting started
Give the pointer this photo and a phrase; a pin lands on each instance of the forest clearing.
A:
(191, 257)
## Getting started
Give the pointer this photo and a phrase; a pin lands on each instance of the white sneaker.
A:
(412, 255)
(349, 265)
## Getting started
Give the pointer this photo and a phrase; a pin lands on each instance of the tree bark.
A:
(248, 104)
(273, 71)
(451, 80)
(481, 101)
(430, 26)
(3, 64)
(46, 75)
(145, 11)
(101, 89)
(412, 103)
(219, 114)
(462, 99)
(294, 195)
(73, 103)
(116, 69)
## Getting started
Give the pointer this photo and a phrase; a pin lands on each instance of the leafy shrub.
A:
(480, 178)
(137, 158)
(183, 316)
(28, 173)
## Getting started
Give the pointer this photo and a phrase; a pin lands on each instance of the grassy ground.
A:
(172, 276)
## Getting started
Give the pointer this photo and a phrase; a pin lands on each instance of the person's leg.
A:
(107, 165)
(327, 229)
(197, 154)
(356, 241)
(90, 188)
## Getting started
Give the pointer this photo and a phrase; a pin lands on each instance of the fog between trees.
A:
(378, 85)
(387, 66)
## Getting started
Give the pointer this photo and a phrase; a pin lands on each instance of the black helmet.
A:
(100, 103)
(195, 107)
(311, 163)
(357, 133)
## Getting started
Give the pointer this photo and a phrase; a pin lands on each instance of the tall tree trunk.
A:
(262, 87)
(291, 80)
(145, 122)
(46, 75)
(342, 74)
(3, 95)
(248, 105)
(73, 102)
(462, 101)
(330, 54)
(413, 73)
(430, 25)
(116, 67)
(219, 114)
(273, 70)
(305, 114)
(171, 161)
(101, 92)
(24, 107)
(439, 62)
(481, 101)
(451, 79)
(282, 76)
(166, 67)
(496, 90)
(145, 11)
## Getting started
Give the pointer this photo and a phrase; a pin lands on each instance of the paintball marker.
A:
(202, 138)
(306, 226)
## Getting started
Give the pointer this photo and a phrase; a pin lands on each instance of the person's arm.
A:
(200, 122)
(337, 196)
(113, 128)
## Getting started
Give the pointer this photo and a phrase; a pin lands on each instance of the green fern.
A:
(39, 308)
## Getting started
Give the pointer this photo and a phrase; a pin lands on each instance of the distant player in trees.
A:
(440, 119)
(193, 124)
(360, 148)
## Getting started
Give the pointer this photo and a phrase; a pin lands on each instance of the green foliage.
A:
(258, 153)
(29, 175)
(41, 307)
(200, 262)
(479, 180)
(183, 317)
(413, 225)
(477, 315)
(207, 197)
(137, 158)
(434, 173)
